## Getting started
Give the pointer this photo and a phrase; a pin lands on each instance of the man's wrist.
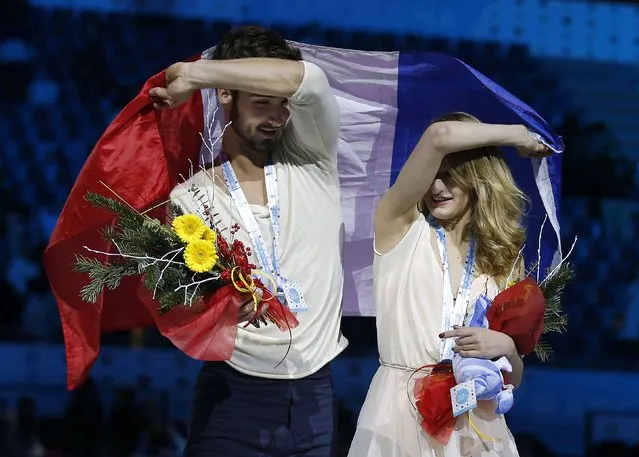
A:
(194, 74)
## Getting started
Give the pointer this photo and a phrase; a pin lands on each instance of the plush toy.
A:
(486, 374)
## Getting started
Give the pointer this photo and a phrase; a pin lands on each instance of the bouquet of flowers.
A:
(523, 311)
(194, 279)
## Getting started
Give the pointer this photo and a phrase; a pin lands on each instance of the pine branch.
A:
(555, 321)
(554, 285)
(164, 279)
(153, 225)
(130, 224)
(148, 238)
(172, 299)
(108, 233)
(114, 206)
(543, 350)
(102, 275)
(143, 241)
(164, 282)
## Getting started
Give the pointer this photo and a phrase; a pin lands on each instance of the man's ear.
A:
(225, 97)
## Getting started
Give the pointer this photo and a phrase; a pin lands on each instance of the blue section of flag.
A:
(431, 85)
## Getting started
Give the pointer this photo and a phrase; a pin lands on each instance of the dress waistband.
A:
(397, 366)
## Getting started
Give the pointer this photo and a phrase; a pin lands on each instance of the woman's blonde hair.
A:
(497, 205)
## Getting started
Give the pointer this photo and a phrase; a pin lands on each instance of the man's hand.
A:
(178, 87)
(247, 311)
(481, 343)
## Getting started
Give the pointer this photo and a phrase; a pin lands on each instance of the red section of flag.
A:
(140, 156)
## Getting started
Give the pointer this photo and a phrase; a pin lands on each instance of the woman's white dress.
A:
(408, 285)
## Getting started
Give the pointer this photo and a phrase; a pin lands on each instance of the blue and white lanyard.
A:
(453, 310)
(270, 264)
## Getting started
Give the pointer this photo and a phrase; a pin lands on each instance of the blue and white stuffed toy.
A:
(486, 374)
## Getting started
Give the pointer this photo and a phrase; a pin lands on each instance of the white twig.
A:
(210, 120)
(211, 147)
(562, 261)
(176, 251)
(127, 256)
(193, 295)
(512, 270)
(197, 285)
(186, 286)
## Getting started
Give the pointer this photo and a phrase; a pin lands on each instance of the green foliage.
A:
(142, 246)
(555, 321)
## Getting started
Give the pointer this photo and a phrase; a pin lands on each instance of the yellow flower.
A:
(200, 256)
(188, 227)
(209, 235)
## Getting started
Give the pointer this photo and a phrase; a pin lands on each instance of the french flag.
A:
(386, 100)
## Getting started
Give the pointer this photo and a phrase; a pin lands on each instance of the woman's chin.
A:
(441, 213)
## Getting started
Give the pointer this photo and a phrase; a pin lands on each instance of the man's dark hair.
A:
(253, 41)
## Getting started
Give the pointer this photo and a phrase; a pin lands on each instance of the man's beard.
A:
(261, 145)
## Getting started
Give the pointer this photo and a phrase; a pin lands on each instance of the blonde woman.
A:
(449, 230)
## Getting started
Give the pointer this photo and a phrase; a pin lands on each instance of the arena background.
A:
(66, 69)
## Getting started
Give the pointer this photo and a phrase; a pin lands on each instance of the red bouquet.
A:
(433, 401)
(519, 313)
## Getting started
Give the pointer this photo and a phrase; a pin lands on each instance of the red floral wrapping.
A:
(276, 312)
(432, 398)
(206, 330)
(519, 313)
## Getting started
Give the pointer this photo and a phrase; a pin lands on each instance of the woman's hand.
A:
(481, 342)
(529, 144)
